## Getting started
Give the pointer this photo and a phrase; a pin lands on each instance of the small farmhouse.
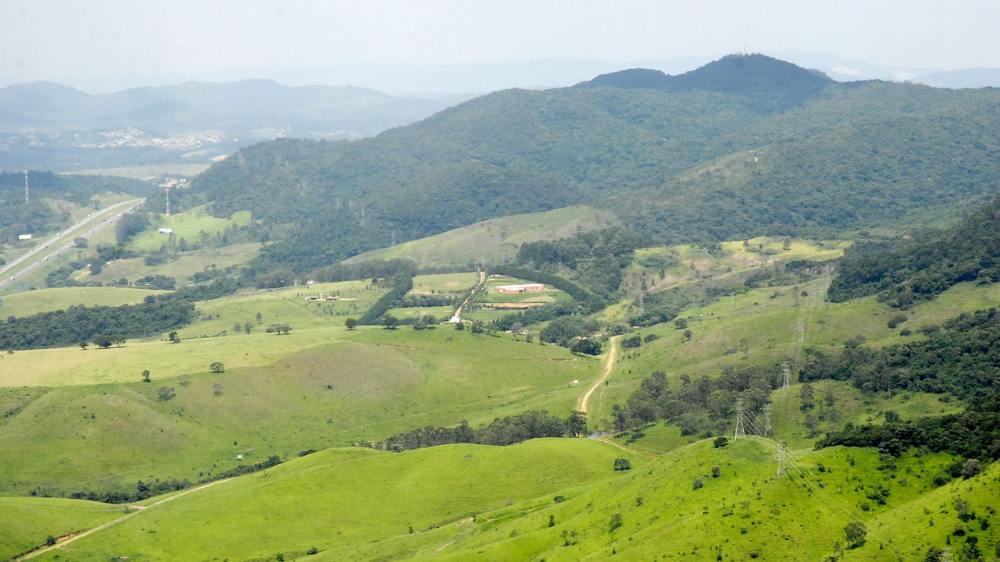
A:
(166, 231)
(525, 288)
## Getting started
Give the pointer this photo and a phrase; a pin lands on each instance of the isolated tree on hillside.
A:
(680, 323)
(576, 424)
(83, 345)
(217, 367)
(118, 340)
(856, 533)
(145, 376)
(102, 342)
(260, 318)
(687, 335)
(389, 322)
(459, 326)
(351, 323)
(174, 338)
(586, 346)
(248, 327)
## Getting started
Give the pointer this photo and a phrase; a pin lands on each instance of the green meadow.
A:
(28, 303)
(495, 240)
(27, 522)
(188, 225)
(554, 500)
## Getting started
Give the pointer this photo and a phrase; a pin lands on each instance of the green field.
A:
(496, 240)
(432, 503)
(188, 225)
(367, 497)
(47, 300)
(455, 283)
(182, 268)
(311, 394)
(26, 523)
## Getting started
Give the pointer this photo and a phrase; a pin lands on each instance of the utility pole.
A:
(740, 429)
(767, 421)
(785, 372)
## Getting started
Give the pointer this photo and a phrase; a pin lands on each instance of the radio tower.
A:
(767, 421)
(746, 44)
(785, 371)
(27, 197)
(740, 429)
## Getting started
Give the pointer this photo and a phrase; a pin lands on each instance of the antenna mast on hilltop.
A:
(746, 43)
(27, 197)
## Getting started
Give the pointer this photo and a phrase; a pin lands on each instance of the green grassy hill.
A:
(495, 240)
(27, 522)
(348, 499)
(557, 500)
(98, 427)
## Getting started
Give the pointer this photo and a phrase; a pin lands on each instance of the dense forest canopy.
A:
(905, 271)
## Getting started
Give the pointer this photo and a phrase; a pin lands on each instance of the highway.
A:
(92, 224)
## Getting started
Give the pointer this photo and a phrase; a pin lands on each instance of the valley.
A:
(741, 313)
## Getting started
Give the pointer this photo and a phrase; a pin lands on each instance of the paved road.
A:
(94, 223)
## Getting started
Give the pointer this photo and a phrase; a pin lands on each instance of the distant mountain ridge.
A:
(193, 106)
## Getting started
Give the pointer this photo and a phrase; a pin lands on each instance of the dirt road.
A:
(139, 509)
(609, 363)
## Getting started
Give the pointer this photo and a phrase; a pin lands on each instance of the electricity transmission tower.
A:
(801, 329)
(740, 428)
(767, 421)
(781, 459)
(785, 372)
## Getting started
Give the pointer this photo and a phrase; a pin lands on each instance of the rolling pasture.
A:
(347, 499)
(28, 303)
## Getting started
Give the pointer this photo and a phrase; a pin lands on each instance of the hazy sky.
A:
(58, 39)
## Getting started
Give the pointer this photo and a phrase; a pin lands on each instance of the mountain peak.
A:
(782, 82)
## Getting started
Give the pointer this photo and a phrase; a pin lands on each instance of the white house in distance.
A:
(166, 231)
(525, 288)
(24, 237)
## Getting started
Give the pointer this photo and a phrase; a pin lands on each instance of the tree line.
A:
(702, 406)
(502, 431)
(959, 358)
(77, 324)
(402, 283)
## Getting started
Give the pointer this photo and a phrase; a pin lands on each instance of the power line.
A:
(740, 429)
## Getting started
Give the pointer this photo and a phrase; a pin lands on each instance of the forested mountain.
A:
(741, 147)
(920, 267)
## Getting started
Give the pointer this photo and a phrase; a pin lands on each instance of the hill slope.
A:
(495, 240)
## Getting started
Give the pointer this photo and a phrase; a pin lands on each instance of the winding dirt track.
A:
(609, 363)
(138, 509)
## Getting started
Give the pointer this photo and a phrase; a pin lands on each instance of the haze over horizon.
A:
(109, 44)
